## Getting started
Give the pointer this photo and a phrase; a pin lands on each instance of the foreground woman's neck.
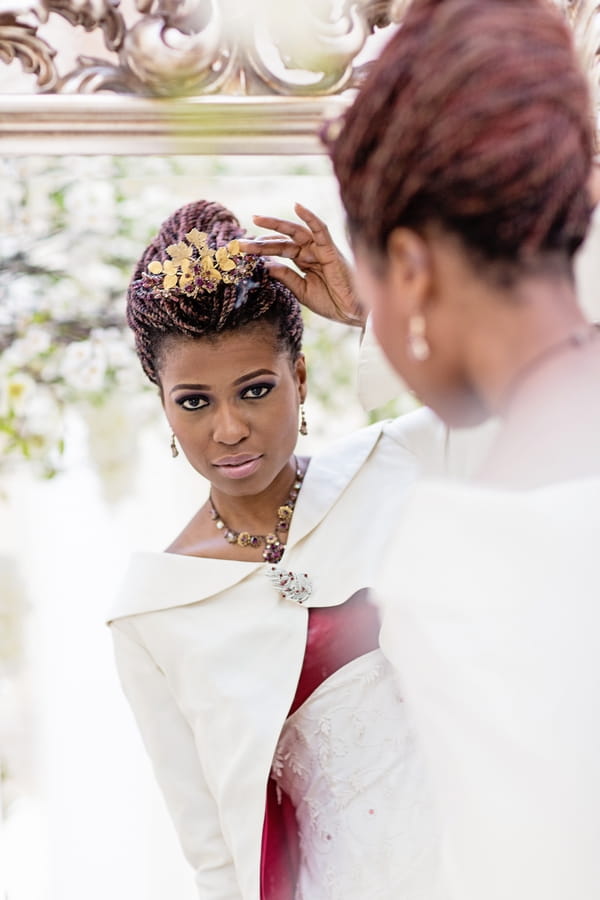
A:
(538, 370)
(550, 428)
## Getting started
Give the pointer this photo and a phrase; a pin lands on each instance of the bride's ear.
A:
(301, 376)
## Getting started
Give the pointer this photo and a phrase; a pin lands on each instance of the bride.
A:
(249, 651)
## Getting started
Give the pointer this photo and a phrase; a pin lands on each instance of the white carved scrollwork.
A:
(91, 14)
(19, 41)
(196, 47)
(180, 50)
(289, 51)
(307, 39)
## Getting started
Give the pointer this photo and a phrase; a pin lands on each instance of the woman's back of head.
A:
(476, 118)
(192, 282)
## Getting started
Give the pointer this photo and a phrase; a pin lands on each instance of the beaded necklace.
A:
(274, 546)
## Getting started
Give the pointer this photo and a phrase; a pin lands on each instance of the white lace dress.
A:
(348, 760)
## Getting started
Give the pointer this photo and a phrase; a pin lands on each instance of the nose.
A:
(229, 426)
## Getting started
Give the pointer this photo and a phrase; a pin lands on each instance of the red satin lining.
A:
(336, 635)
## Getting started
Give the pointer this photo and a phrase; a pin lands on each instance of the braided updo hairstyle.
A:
(476, 119)
(153, 316)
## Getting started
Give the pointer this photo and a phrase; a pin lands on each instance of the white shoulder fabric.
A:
(377, 382)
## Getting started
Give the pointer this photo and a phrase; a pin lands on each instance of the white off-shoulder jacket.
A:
(209, 652)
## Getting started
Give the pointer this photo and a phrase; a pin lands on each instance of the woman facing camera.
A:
(249, 650)
(464, 166)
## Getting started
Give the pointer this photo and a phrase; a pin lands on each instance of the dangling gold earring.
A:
(303, 426)
(174, 450)
(418, 346)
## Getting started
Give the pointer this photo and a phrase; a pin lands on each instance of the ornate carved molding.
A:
(50, 124)
(198, 47)
(272, 51)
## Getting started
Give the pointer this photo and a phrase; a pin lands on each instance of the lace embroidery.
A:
(349, 763)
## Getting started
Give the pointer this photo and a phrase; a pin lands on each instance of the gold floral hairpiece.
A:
(195, 267)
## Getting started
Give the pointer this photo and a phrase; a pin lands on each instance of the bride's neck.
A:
(257, 512)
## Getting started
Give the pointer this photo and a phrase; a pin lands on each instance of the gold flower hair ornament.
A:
(195, 267)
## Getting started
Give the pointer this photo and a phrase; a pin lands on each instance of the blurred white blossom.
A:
(12, 610)
(35, 342)
(44, 415)
(112, 428)
(67, 243)
(84, 366)
(90, 205)
(16, 391)
(70, 233)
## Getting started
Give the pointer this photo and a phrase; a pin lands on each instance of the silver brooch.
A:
(295, 586)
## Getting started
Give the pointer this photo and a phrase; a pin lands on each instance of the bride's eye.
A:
(256, 391)
(194, 401)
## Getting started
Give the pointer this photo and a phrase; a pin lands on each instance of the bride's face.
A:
(232, 402)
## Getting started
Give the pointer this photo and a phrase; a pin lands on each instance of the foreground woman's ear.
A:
(408, 267)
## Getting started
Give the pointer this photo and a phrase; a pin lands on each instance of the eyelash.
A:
(181, 401)
(267, 388)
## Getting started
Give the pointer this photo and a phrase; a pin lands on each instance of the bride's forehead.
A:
(254, 338)
(230, 353)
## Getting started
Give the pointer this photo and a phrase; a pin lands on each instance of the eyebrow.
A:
(240, 380)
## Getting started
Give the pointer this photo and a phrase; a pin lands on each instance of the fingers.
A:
(320, 231)
(317, 230)
(293, 230)
(270, 246)
(289, 278)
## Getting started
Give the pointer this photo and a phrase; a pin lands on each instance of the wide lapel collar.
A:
(327, 476)
(155, 581)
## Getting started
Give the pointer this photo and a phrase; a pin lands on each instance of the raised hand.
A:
(325, 285)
